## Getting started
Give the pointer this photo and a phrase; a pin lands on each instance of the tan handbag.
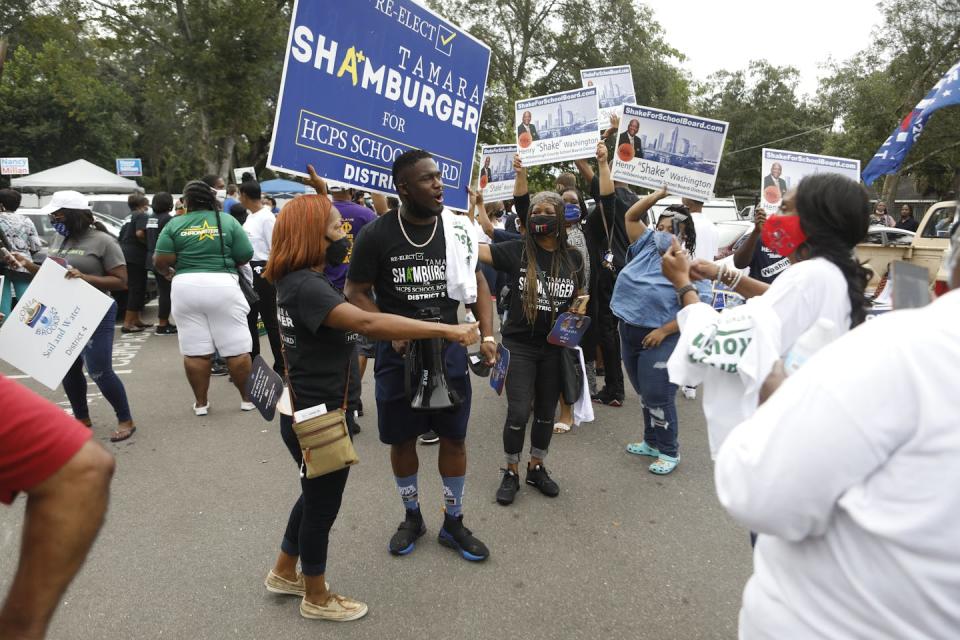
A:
(325, 442)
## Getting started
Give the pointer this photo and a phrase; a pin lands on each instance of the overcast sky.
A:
(727, 34)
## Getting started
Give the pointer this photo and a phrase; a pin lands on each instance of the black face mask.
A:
(542, 224)
(337, 251)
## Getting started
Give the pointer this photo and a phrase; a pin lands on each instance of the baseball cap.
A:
(336, 187)
(66, 200)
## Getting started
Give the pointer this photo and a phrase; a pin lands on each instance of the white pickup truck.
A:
(927, 247)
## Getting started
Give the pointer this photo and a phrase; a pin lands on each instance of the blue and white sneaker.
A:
(458, 537)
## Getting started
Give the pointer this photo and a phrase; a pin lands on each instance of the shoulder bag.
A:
(246, 287)
(325, 443)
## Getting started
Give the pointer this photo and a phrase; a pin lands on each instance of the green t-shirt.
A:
(193, 238)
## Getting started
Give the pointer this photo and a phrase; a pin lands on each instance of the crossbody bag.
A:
(325, 444)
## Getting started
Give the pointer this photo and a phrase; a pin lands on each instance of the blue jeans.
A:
(647, 370)
(97, 356)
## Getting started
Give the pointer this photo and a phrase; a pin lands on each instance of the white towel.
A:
(461, 240)
(583, 408)
(731, 376)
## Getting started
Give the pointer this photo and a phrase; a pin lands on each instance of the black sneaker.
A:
(509, 485)
(604, 397)
(430, 437)
(219, 370)
(359, 408)
(538, 477)
(459, 538)
(407, 533)
(355, 429)
(167, 330)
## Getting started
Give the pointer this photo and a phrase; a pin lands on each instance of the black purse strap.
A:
(223, 251)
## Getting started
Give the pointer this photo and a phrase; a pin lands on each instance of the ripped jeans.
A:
(647, 370)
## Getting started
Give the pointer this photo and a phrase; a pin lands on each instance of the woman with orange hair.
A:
(319, 330)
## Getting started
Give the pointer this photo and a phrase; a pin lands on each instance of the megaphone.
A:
(426, 377)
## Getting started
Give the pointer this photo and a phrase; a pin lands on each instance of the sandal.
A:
(642, 449)
(664, 465)
(129, 330)
(561, 427)
(122, 434)
(143, 325)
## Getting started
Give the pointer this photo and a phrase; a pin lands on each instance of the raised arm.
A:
(743, 256)
(613, 128)
(606, 181)
(379, 202)
(633, 219)
(586, 171)
(520, 187)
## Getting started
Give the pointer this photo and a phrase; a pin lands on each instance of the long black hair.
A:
(561, 259)
(835, 215)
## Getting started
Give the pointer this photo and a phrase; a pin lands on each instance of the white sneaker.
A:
(468, 317)
(690, 393)
(201, 411)
(247, 406)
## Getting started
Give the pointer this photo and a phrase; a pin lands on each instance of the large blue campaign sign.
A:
(365, 81)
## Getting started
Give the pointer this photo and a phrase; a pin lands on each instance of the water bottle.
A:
(815, 338)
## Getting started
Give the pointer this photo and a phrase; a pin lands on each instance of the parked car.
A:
(111, 204)
(926, 248)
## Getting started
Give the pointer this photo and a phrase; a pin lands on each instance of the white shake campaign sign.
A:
(51, 324)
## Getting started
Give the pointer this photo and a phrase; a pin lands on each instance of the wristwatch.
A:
(490, 339)
(682, 291)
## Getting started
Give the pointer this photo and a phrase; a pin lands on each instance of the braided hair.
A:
(561, 258)
(199, 196)
(835, 214)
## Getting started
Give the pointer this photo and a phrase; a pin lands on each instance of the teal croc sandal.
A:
(664, 465)
(642, 449)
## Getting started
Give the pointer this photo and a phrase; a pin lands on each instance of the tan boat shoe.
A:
(276, 584)
(337, 609)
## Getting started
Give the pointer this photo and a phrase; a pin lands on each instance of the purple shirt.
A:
(354, 217)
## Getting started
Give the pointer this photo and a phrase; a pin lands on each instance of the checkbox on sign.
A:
(445, 40)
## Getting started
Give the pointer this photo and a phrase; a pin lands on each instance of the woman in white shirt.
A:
(826, 281)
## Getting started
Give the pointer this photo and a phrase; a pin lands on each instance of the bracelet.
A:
(684, 290)
(489, 339)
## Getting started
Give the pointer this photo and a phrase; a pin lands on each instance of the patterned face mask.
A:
(783, 234)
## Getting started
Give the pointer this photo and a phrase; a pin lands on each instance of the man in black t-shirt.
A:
(133, 241)
(401, 256)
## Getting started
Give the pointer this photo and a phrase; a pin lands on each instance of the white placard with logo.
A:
(51, 324)
(238, 174)
(14, 166)
(614, 89)
(558, 127)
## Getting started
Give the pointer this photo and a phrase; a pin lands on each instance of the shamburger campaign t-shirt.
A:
(510, 257)
(406, 278)
(318, 356)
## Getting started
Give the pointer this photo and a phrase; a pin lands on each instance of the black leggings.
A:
(136, 286)
(163, 296)
(313, 514)
(534, 374)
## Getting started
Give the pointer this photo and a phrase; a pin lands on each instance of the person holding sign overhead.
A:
(319, 328)
(92, 255)
(547, 274)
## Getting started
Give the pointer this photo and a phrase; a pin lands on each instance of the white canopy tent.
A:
(78, 175)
